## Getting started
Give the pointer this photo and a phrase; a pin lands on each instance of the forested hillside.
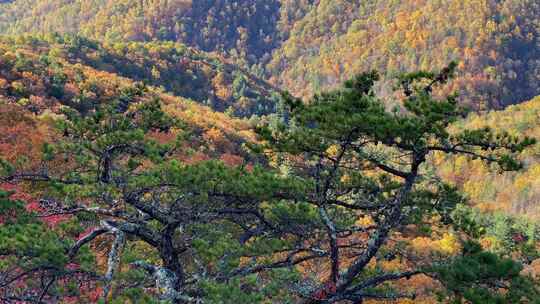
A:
(516, 193)
(222, 25)
(174, 67)
(309, 45)
(42, 79)
(495, 43)
(269, 151)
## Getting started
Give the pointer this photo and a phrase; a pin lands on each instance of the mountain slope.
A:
(208, 24)
(37, 82)
(40, 77)
(178, 69)
(497, 45)
(311, 45)
(516, 192)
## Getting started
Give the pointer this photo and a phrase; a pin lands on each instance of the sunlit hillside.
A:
(517, 193)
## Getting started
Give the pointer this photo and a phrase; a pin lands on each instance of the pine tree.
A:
(332, 185)
(361, 161)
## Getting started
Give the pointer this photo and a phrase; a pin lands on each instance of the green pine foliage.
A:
(476, 277)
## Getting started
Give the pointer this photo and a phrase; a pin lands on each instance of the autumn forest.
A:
(269, 151)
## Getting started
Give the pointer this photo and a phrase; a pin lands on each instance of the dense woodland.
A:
(172, 67)
(309, 45)
(249, 151)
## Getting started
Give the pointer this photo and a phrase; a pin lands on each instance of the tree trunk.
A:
(171, 262)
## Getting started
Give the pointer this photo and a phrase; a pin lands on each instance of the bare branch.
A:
(114, 258)
(86, 239)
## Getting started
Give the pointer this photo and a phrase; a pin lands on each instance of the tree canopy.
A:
(314, 215)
